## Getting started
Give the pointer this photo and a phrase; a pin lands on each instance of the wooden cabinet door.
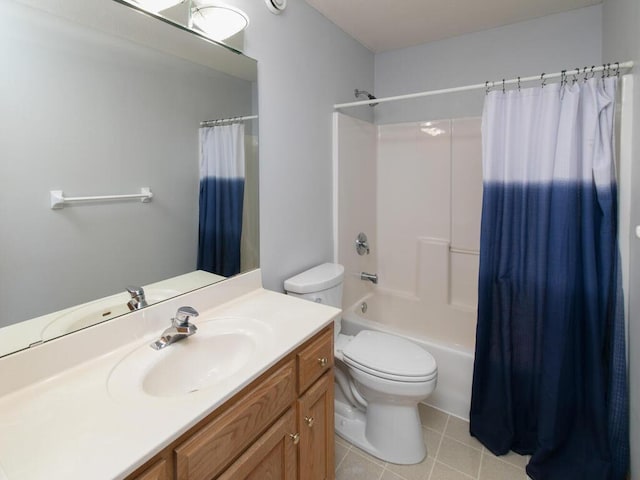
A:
(159, 471)
(272, 457)
(315, 424)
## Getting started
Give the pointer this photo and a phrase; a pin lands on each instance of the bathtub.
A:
(450, 340)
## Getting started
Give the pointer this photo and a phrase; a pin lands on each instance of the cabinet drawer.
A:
(314, 360)
(205, 454)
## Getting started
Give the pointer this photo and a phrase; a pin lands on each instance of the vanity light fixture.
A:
(276, 6)
(218, 21)
(156, 6)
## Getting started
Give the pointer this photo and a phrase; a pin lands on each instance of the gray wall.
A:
(305, 65)
(548, 44)
(93, 115)
(621, 42)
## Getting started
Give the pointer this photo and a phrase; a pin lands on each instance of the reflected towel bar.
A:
(58, 200)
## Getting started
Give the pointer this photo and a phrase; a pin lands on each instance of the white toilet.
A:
(380, 378)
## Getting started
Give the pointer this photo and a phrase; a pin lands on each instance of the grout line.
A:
(501, 458)
(435, 456)
(458, 471)
(345, 456)
(454, 467)
(481, 459)
(461, 443)
(477, 449)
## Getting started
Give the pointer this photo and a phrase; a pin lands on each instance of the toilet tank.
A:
(321, 284)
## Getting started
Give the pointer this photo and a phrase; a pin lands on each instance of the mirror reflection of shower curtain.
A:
(222, 178)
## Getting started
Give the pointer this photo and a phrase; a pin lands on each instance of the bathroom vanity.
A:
(279, 426)
(82, 407)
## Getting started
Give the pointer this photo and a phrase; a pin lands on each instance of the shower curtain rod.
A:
(485, 85)
(210, 123)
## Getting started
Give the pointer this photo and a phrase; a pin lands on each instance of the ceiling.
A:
(382, 25)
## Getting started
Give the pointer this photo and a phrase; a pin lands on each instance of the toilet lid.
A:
(389, 356)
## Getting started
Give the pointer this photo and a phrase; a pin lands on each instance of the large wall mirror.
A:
(100, 99)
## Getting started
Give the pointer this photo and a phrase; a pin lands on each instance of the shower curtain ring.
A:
(563, 78)
(486, 88)
(503, 85)
(617, 70)
(544, 81)
(575, 76)
(518, 83)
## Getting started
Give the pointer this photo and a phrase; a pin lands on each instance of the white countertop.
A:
(58, 419)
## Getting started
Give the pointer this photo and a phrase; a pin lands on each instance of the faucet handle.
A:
(138, 300)
(183, 315)
(134, 291)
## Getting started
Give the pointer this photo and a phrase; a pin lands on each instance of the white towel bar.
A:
(58, 200)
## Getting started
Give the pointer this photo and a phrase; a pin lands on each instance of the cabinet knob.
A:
(295, 437)
(323, 361)
(309, 421)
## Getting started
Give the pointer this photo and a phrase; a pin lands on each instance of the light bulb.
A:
(219, 22)
(156, 6)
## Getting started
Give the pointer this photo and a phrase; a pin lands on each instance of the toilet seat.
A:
(389, 357)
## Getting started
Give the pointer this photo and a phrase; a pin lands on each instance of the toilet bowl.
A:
(380, 378)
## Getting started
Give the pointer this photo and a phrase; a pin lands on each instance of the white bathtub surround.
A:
(418, 186)
(59, 419)
(355, 198)
(426, 178)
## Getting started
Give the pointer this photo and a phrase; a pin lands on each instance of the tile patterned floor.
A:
(452, 454)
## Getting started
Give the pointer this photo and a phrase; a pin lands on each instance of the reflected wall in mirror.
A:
(98, 99)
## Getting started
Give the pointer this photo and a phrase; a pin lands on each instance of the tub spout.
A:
(372, 277)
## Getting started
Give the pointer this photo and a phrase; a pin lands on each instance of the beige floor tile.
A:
(369, 457)
(432, 441)
(340, 452)
(418, 471)
(341, 440)
(458, 429)
(459, 456)
(357, 467)
(514, 459)
(494, 469)
(387, 475)
(432, 418)
(443, 472)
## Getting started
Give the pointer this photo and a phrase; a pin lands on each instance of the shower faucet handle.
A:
(362, 244)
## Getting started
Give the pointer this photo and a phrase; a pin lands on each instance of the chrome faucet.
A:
(138, 300)
(180, 328)
(372, 277)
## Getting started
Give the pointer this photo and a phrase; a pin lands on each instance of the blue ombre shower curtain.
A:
(550, 367)
(221, 198)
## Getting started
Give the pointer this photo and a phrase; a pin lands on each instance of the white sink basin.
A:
(98, 311)
(222, 347)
